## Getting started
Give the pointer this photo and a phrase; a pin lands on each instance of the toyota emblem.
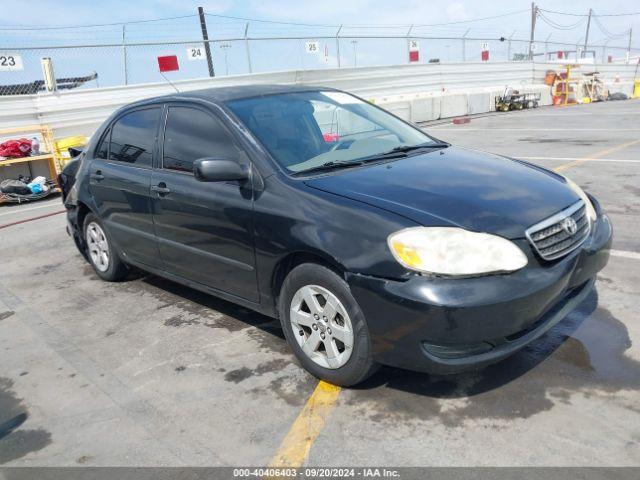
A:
(569, 225)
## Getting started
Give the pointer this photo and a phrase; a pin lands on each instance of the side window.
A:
(133, 137)
(102, 150)
(192, 134)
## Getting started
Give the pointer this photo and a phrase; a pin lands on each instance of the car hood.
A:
(458, 187)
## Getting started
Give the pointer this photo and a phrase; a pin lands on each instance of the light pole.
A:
(355, 52)
(224, 47)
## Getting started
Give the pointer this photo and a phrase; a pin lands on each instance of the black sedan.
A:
(372, 242)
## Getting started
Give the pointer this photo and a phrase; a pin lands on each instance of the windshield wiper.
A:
(397, 152)
(409, 148)
(401, 151)
(328, 166)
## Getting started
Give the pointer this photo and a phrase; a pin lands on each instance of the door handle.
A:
(97, 176)
(161, 188)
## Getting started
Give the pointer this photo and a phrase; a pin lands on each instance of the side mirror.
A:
(219, 169)
(75, 151)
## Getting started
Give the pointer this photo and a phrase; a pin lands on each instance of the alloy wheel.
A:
(321, 326)
(98, 246)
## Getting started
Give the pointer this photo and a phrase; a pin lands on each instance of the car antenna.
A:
(169, 82)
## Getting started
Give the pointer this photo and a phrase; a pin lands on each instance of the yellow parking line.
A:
(295, 447)
(595, 155)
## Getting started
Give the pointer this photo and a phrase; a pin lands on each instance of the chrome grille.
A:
(552, 238)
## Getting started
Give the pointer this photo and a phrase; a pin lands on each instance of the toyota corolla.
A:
(371, 241)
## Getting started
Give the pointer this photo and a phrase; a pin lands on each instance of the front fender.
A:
(292, 217)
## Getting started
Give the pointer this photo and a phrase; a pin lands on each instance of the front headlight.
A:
(454, 251)
(591, 212)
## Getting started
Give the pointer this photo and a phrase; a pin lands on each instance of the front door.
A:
(204, 229)
(120, 180)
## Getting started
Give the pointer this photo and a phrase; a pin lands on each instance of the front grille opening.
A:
(561, 233)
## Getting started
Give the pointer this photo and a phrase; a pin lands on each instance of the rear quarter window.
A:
(133, 137)
(102, 150)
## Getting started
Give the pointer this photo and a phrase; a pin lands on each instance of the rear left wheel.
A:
(102, 255)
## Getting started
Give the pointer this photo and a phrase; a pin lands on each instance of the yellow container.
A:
(61, 147)
(636, 89)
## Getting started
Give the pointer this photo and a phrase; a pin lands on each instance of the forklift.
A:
(514, 100)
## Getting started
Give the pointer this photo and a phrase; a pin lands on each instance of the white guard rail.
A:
(414, 92)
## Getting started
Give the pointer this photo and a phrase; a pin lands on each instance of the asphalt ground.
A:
(147, 372)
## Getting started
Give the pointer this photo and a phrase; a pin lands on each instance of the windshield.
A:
(305, 130)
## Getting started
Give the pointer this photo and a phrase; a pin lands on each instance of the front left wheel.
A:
(324, 325)
(100, 251)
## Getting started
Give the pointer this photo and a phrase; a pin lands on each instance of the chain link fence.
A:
(128, 56)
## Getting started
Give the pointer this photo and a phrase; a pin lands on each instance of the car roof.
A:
(224, 94)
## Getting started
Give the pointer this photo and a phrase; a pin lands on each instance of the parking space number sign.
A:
(311, 47)
(196, 53)
(10, 62)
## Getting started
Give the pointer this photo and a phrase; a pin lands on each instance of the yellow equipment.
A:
(61, 147)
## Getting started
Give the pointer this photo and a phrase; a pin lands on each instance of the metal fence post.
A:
(246, 46)
(464, 45)
(408, 46)
(205, 39)
(354, 42)
(546, 48)
(124, 53)
(338, 44)
(50, 82)
(509, 46)
(604, 51)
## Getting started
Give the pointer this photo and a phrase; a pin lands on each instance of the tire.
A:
(101, 252)
(321, 343)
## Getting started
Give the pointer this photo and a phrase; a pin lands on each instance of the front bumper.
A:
(445, 325)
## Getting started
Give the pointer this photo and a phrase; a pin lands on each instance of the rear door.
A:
(204, 229)
(120, 179)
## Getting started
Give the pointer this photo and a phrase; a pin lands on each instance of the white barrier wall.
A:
(424, 107)
(414, 92)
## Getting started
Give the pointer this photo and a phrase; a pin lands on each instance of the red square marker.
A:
(414, 56)
(485, 55)
(168, 63)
